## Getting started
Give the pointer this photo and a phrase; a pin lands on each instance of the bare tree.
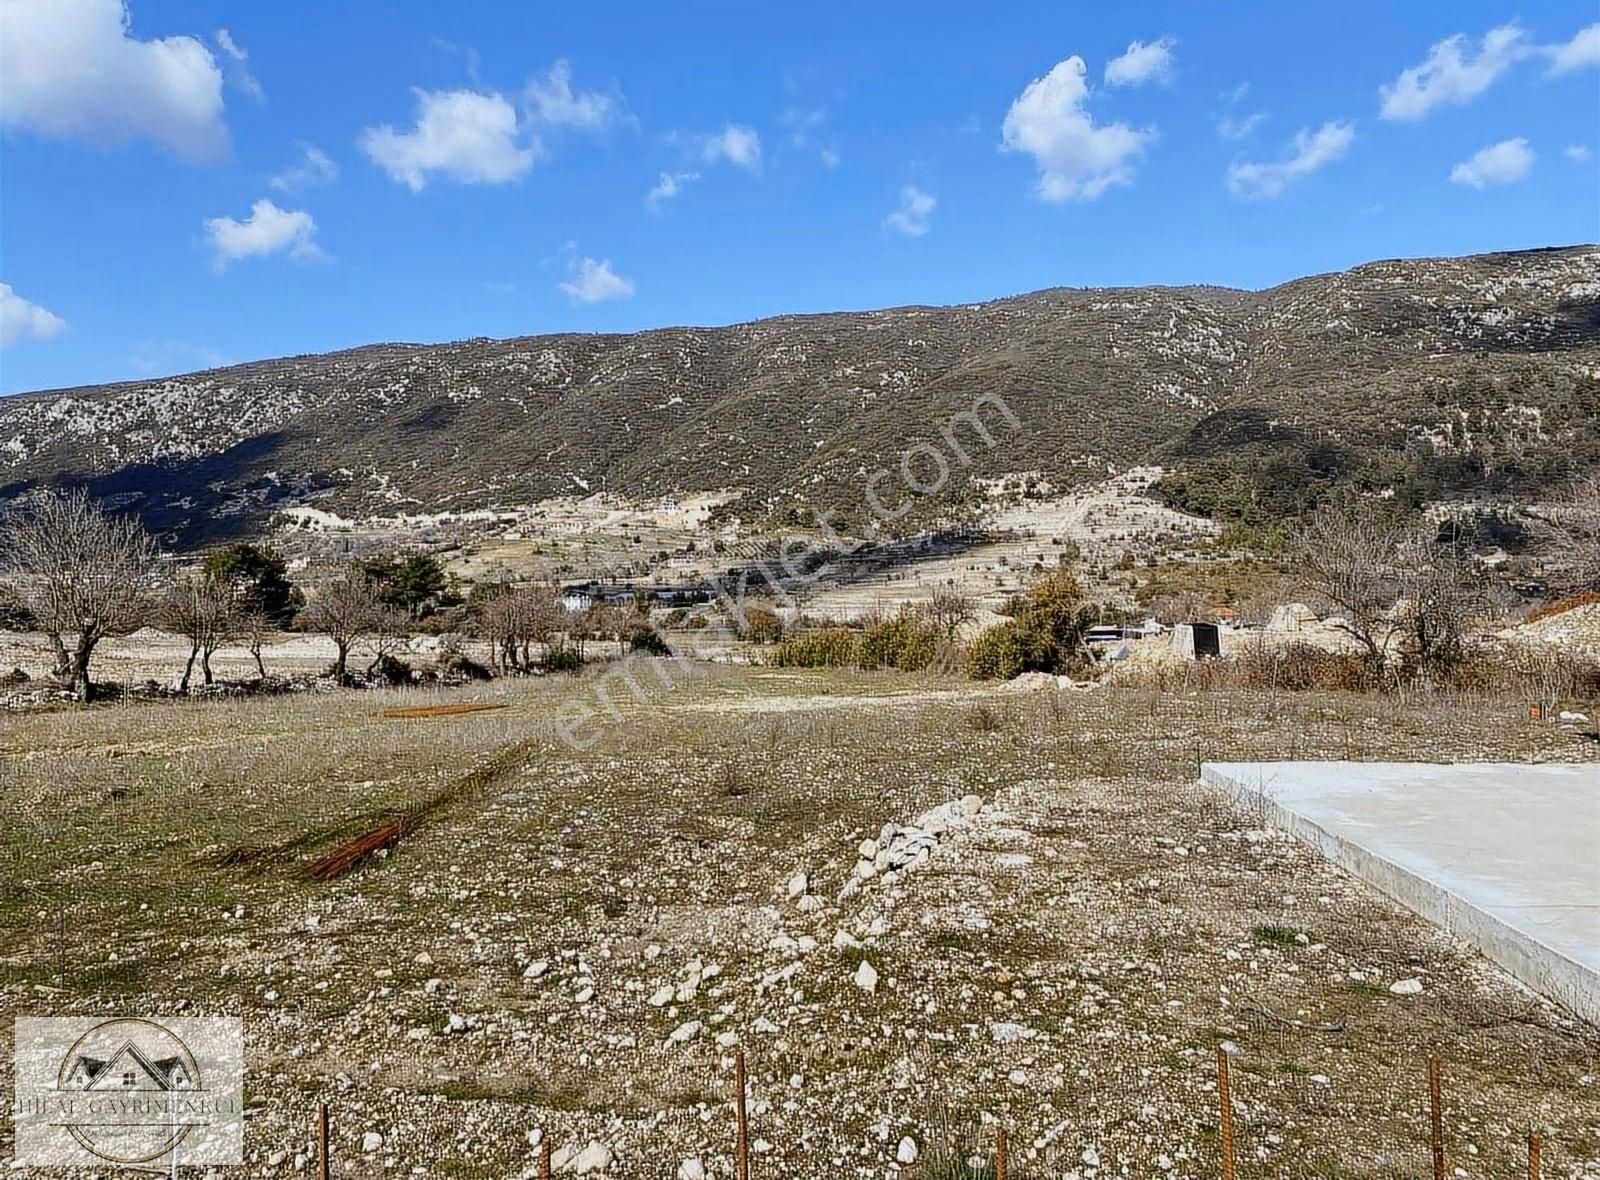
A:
(579, 626)
(604, 621)
(493, 621)
(254, 627)
(202, 609)
(544, 617)
(82, 572)
(1347, 557)
(346, 609)
(949, 610)
(633, 620)
(1399, 588)
(518, 617)
(1570, 531)
(1441, 593)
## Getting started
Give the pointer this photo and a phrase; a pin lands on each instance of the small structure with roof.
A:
(1292, 616)
(1197, 641)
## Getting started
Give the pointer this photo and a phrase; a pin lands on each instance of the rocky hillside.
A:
(1446, 375)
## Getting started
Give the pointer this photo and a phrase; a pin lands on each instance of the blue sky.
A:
(186, 184)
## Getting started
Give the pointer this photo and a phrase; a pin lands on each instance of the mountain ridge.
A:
(1485, 362)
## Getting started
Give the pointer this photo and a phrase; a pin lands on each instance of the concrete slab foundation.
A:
(1504, 856)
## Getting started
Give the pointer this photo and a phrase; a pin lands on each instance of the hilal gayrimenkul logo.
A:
(131, 1091)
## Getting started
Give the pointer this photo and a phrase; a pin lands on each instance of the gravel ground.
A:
(574, 944)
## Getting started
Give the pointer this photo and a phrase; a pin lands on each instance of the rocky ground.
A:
(1055, 934)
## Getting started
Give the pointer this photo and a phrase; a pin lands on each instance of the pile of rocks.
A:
(900, 848)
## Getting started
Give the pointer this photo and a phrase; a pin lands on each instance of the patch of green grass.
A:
(1275, 934)
(468, 1091)
(125, 975)
(474, 1169)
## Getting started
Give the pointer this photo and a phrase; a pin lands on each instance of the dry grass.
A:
(1509, 672)
(678, 829)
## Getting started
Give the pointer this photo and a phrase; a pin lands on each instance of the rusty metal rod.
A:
(1225, 1098)
(1000, 1152)
(544, 1157)
(1437, 1109)
(1534, 1170)
(323, 1163)
(742, 1150)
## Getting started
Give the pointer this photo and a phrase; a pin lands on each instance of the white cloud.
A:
(669, 186)
(805, 129)
(69, 68)
(1308, 151)
(1577, 54)
(1577, 153)
(1142, 62)
(735, 144)
(314, 168)
(915, 214)
(238, 70)
(21, 320)
(464, 135)
(268, 230)
(1500, 163)
(1452, 73)
(595, 282)
(552, 101)
(1242, 126)
(1076, 158)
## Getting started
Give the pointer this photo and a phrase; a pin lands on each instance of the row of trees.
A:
(516, 619)
(79, 574)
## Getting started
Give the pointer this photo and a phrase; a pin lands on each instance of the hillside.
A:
(1444, 375)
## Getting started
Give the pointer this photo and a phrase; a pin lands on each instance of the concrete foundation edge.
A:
(1543, 969)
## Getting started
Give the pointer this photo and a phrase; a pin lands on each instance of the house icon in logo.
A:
(156, 1077)
(129, 1069)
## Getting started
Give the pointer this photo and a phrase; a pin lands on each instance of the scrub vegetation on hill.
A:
(1438, 377)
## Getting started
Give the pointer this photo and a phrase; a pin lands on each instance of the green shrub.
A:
(1045, 634)
(1264, 538)
(905, 643)
(454, 662)
(562, 659)
(648, 640)
(1007, 650)
(391, 670)
(1275, 934)
(826, 647)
